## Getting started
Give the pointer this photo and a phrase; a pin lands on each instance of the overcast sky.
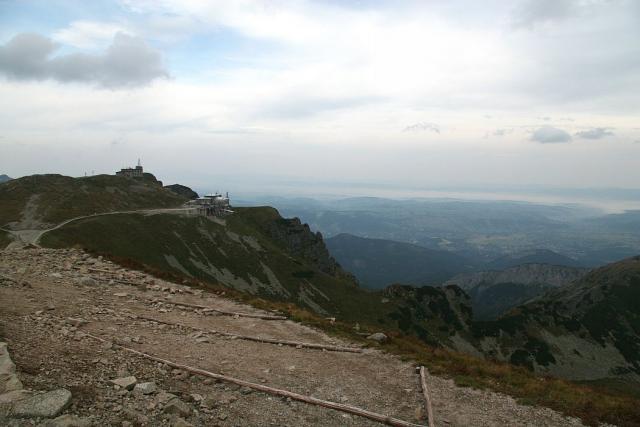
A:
(423, 94)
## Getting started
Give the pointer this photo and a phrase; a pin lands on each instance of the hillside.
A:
(588, 330)
(495, 292)
(537, 256)
(258, 252)
(4, 178)
(182, 190)
(39, 201)
(77, 342)
(378, 263)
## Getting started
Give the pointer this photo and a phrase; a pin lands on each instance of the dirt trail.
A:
(31, 236)
(50, 298)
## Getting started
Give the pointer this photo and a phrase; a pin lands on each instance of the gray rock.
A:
(164, 397)
(46, 405)
(378, 336)
(135, 417)
(177, 407)
(88, 281)
(14, 396)
(181, 422)
(146, 388)
(127, 382)
(68, 420)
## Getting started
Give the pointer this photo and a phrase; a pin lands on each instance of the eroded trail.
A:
(50, 300)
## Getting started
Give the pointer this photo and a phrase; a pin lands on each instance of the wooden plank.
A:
(260, 339)
(274, 391)
(427, 397)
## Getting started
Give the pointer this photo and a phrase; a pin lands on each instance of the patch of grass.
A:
(54, 198)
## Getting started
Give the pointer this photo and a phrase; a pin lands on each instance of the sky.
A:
(247, 94)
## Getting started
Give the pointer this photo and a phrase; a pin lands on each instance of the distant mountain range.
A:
(537, 256)
(587, 330)
(378, 263)
(495, 292)
(5, 178)
(582, 326)
(500, 285)
(477, 230)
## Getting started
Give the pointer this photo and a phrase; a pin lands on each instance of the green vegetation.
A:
(243, 254)
(51, 199)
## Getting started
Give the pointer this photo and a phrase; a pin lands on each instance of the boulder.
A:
(145, 388)
(45, 405)
(177, 407)
(87, 281)
(9, 381)
(378, 337)
(68, 420)
(127, 382)
(181, 422)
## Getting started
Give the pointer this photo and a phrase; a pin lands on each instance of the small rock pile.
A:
(16, 402)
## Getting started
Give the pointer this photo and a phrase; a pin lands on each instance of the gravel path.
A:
(49, 299)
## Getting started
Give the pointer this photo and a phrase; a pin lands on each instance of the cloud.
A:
(422, 126)
(502, 132)
(534, 12)
(550, 135)
(127, 62)
(595, 133)
(88, 34)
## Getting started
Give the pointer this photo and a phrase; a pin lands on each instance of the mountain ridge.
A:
(378, 263)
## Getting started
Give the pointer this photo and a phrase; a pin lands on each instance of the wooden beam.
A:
(270, 390)
(206, 309)
(427, 397)
(260, 339)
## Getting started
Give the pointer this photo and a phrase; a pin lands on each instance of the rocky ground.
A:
(52, 301)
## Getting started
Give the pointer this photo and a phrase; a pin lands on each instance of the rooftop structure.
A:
(136, 172)
(211, 205)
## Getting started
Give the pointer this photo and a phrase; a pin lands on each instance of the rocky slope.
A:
(526, 274)
(587, 330)
(495, 292)
(53, 301)
(254, 251)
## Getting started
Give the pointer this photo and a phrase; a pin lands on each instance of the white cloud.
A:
(422, 126)
(127, 62)
(89, 34)
(595, 133)
(550, 135)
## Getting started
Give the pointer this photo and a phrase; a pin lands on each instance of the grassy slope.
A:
(146, 239)
(61, 197)
(601, 308)
(107, 234)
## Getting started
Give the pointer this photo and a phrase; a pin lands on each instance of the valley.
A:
(529, 311)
